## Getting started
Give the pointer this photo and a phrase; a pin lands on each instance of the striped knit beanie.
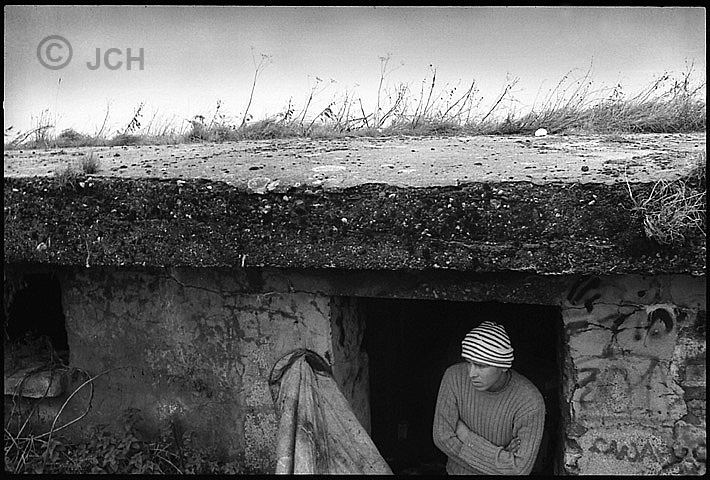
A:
(488, 344)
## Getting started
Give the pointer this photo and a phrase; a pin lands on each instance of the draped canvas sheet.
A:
(318, 431)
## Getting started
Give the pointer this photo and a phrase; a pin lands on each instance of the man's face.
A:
(483, 376)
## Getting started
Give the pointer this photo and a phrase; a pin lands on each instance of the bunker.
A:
(178, 275)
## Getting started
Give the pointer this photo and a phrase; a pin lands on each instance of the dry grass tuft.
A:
(675, 208)
(67, 177)
(90, 164)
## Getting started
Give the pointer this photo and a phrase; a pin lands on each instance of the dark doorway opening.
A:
(33, 320)
(410, 343)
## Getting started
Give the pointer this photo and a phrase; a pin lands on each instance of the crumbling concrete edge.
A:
(512, 226)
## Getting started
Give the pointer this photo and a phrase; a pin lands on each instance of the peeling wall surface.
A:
(187, 349)
(635, 375)
(350, 361)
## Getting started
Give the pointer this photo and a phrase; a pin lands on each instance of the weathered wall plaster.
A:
(350, 361)
(635, 345)
(198, 353)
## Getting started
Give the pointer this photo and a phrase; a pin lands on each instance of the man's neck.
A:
(501, 383)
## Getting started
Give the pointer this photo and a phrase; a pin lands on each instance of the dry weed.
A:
(675, 208)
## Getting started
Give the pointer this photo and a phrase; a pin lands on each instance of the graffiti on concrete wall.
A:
(632, 345)
(631, 450)
(621, 451)
(622, 338)
(659, 318)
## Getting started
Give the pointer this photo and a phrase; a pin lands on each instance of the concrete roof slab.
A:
(397, 161)
(550, 205)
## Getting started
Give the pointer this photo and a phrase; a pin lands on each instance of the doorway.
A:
(410, 343)
(33, 322)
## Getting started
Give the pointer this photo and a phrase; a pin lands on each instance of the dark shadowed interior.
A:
(411, 342)
(36, 316)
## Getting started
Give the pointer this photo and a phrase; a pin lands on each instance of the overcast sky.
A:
(194, 56)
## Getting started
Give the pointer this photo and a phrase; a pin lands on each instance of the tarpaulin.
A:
(318, 431)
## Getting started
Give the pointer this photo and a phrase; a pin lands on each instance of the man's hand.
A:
(513, 446)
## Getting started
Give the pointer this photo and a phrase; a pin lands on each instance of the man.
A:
(489, 419)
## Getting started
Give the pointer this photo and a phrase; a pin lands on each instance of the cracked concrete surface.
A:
(397, 161)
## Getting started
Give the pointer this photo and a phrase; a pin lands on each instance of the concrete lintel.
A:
(546, 229)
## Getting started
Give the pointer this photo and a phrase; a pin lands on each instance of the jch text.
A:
(114, 59)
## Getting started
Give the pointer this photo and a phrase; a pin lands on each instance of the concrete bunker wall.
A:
(635, 375)
(198, 352)
(195, 347)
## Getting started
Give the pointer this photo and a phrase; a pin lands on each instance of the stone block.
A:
(698, 408)
(33, 383)
(690, 446)
(689, 440)
(694, 375)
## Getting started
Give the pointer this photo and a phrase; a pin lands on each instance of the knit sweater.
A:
(493, 419)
